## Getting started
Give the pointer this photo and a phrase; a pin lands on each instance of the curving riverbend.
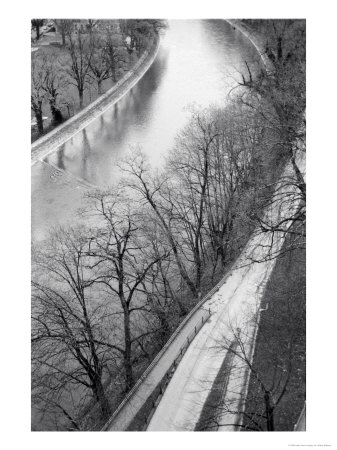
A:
(198, 64)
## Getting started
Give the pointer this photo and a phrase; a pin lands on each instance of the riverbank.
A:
(186, 71)
(237, 37)
(51, 141)
(283, 330)
(258, 41)
(133, 412)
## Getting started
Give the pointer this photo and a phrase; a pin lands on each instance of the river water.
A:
(198, 64)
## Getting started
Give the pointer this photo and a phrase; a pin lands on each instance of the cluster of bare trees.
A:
(94, 51)
(269, 389)
(94, 306)
(280, 98)
(201, 196)
(140, 32)
(107, 296)
(95, 56)
(48, 85)
(103, 295)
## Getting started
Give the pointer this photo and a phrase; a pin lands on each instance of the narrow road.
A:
(234, 306)
(231, 307)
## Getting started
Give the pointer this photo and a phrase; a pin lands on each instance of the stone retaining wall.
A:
(257, 40)
(51, 141)
(133, 401)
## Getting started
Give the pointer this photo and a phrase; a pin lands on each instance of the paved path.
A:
(235, 305)
(154, 375)
(234, 302)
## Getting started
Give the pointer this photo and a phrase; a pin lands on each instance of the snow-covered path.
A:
(232, 303)
(231, 307)
(234, 306)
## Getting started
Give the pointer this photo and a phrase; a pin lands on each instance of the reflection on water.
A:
(197, 63)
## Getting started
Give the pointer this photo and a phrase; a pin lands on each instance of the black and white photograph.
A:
(168, 283)
(168, 225)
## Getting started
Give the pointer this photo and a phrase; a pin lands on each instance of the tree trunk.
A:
(165, 327)
(225, 246)
(198, 268)
(113, 71)
(198, 244)
(99, 87)
(279, 48)
(56, 113)
(170, 292)
(182, 269)
(183, 310)
(80, 95)
(39, 120)
(269, 412)
(100, 396)
(173, 244)
(127, 352)
(222, 253)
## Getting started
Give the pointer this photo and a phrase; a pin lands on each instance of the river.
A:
(198, 64)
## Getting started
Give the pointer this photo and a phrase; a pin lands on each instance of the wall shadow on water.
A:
(194, 65)
(133, 108)
(91, 154)
(60, 158)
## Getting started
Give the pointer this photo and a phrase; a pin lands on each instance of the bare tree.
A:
(199, 197)
(150, 191)
(70, 341)
(230, 403)
(211, 166)
(116, 55)
(80, 53)
(190, 165)
(280, 96)
(122, 260)
(54, 84)
(65, 27)
(53, 408)
(261, 383)
(99, 67)
(37, 90)
(37, 24)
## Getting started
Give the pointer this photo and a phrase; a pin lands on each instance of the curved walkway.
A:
(137, 397)
(257, 40)
(51, 141)
(154, 374)
(242, 289)
(235, 306)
